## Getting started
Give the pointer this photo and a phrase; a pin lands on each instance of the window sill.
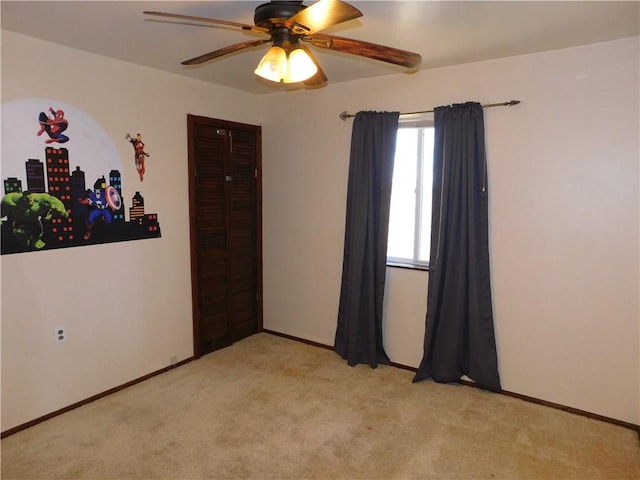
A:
(408, 266)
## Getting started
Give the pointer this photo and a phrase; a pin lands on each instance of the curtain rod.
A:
(344, 115)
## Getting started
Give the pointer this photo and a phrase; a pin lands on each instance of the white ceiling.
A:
(443, 32)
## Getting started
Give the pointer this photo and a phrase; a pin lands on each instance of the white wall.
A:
(563, 213)
(126, 306)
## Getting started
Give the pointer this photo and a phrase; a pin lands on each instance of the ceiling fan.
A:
(288, 23)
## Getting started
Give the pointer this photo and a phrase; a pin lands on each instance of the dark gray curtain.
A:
(459, 338)
(359, 331)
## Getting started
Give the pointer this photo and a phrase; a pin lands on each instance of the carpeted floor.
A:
(272, 408)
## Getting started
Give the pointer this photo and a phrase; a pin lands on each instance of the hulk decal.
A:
(26, 211)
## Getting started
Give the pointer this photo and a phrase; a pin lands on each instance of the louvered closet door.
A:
(224, 232)
(211, 152)
(242, 233)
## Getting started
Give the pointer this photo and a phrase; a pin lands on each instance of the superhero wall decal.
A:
(48, 156)
(54, 126)
(140, 154)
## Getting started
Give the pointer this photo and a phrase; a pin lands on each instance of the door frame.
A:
(192, 122)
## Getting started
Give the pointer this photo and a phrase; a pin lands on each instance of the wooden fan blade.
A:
(320, 15)
(319, 79)
(243, 26)
(223, 51)
(366, 49)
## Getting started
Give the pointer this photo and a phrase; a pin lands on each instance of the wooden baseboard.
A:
(298, 339)
(93, 398)
(565, 408)
(526, 398)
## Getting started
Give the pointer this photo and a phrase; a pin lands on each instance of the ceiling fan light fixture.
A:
(273, 65)
(300, 66)
(279, 66)
(286, 22)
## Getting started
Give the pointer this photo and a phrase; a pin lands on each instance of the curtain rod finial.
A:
(511, 103)
(344, 115)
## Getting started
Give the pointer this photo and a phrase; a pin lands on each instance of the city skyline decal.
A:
(51, 205)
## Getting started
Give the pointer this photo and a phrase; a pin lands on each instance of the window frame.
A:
(415, 120)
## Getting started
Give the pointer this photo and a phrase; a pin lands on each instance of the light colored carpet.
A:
(272, 408)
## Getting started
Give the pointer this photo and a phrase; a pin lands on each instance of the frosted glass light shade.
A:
(273, 65)
(277, 66)
(301, 66)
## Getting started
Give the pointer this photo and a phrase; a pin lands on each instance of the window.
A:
(409, 238)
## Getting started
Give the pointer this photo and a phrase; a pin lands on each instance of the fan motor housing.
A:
(276, 12)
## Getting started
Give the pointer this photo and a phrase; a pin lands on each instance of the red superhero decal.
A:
(54, 126)
(140, 154)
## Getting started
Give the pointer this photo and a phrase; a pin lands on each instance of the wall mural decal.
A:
(140, 154)
(50, 151)
(54, 126)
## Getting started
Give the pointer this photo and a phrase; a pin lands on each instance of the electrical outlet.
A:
(173, 360)
(61, 334)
